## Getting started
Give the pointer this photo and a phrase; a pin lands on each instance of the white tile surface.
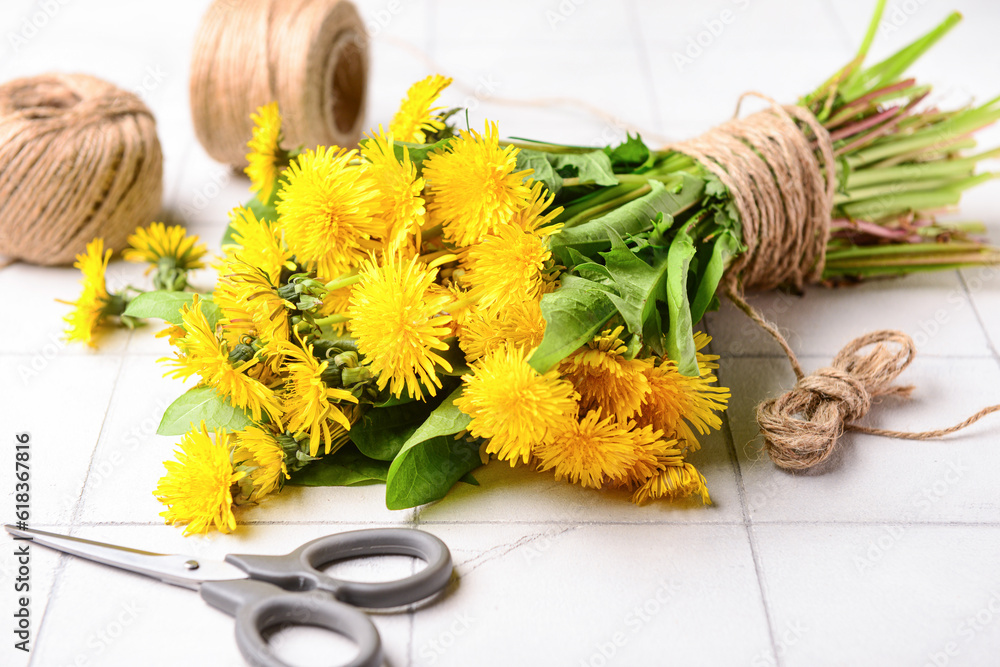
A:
(884, 559)
(570, 594)
(894, 594)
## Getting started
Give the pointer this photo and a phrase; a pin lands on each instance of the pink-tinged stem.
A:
(862, 125)
(859, 104)
(886, 128)
(855, 227)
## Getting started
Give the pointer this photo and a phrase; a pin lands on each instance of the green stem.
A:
(921, 170)
(331, 319)
(595, 211)
(343, 281)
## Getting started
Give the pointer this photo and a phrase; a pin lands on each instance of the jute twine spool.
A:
(79, 158)
(784, 198)
(309, 56)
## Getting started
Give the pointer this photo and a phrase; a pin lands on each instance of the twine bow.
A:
(801, 427)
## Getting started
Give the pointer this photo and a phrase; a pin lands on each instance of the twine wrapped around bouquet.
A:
(784, 199)
(309, 56)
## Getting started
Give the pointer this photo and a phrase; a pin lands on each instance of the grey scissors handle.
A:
(264, 602)
(299, 570)
(259, 607)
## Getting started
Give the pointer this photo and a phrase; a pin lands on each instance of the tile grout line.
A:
(979, 318)
(751, 534)
(64, 557)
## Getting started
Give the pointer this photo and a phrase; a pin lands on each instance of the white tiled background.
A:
(890, 557)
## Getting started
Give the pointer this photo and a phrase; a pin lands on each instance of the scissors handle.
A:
(259, 607)
(299, 570)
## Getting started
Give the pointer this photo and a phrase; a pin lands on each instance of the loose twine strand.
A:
(79, 158)
(784, 199)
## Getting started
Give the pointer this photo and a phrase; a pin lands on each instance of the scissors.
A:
(256, 589)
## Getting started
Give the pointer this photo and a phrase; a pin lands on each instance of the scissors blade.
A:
(175, 569)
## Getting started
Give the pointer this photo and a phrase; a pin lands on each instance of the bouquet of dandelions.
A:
(375, 319)
(405, 311)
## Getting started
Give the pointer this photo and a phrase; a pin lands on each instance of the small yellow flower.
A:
(328, 211)
(506, 267)
(520, 326)
(265, 157)
(399, 324)
(258, 243)
(173, 333)
(537, 216)
(650, 450)
(94, 303)
(401, 205)
(259, 453)
(474, 186)
(197, 488)
(513, 405)
(310, 405)
(676, 480)
(336, 302)
(677, 402)
(606, 379)
(589, 452)
(250, 303)
(416, 117)
(153, 243)
(203, 353)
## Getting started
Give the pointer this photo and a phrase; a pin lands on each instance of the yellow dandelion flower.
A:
(401, 205)
(537, 216)
(250, 303)
(398, 322)
(153, 243)
(513, 405)
(676, 480)
(590, 451)
(310, 404)
(650, 450)
(677, 402)
(520, 326)
(328, 211)
(259, 453)
(94, 303)
(258, 243)
(202, 353)
(265, 157)
(416, 117)
(507, 267)
(605, 378)
(336, 302)
(173, 333)
(459, 308)
(197, 488)
(474, 186)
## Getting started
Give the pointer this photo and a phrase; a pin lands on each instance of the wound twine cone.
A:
(309, 56)
(784, 199)
(79, 158)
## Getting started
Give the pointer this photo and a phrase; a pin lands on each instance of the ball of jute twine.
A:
(309, 56)
(79, 158)
(784, 199)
